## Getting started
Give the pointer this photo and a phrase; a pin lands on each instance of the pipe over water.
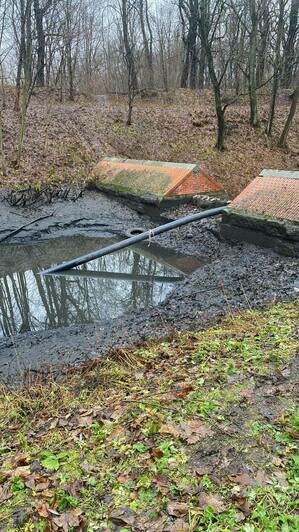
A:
(134, 240)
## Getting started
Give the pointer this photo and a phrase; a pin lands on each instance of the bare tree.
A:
(210, 16)
(276, 66)
(254, 120)
(289, 47)
(126, 17)
(284, 135)
(147, 36)
(39, 14)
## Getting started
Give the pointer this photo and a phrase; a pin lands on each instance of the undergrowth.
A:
(197, 432)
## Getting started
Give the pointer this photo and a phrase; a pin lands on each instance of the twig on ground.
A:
(16, 231)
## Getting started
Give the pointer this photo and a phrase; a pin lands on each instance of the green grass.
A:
(135, 432)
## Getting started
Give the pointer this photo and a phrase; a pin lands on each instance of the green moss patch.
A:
(138, 183)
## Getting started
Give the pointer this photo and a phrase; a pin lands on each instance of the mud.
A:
(234, 277)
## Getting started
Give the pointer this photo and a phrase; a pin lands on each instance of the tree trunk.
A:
(283, 138)
(186, 65)
(277, 68)
(289, 51)
(41, 44)
(129, 59)
(220, 124)
(254, 121)
(264, 20)
(147, 42)
(193, 22)
(201, 69)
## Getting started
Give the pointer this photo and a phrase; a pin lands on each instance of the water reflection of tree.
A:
(30, 302)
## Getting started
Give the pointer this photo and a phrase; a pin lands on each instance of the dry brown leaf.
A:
(204, 470)
(281, 478)
(242, 503)
(261, 479)
(277, 461)
(182, 391)
(244, 479)
(47, 493)
(42, 509)
(5, 492)
(156, 452)
(22, 472)
(170, 428)
(30, 482)
(84, 421)
(179, 526)
(194, 430)
(122, 517)
(177, 509)
(20, 459)
(68, 520)
(163, 483)
(214, 501)
(41, 486)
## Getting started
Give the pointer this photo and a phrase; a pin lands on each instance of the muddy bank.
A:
(233, 277)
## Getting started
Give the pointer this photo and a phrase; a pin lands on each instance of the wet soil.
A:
(234, 277)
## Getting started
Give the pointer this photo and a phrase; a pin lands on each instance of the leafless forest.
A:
(78, 73)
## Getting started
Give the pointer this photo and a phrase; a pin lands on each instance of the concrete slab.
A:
(266, 212)
(280, 173)
(153, 181)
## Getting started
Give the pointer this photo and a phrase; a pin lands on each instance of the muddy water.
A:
(100, 290)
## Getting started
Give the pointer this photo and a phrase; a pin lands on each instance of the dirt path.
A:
(232, 278)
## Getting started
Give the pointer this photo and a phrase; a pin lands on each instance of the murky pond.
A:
(102, 289)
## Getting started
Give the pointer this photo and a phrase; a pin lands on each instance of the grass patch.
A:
(197, 432)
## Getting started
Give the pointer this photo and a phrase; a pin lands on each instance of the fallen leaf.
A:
(156, 452)
(42, 509)
(30, 482)
(5, 492)
(20, 459)
(47, 493)
(122, 517)
(179, 526)
(239, 517)
(84, 421)
(194, 430)
(22, 472)
(163, 483)
(241, 502)
(181, 391)
(170, 428)
(277, 461)
(244, 479)
(246, 393)
(261, 479)
(177, 509)
(123, 479)
(281, 478)
(41, 486)
(68, 520)
(204, 470)
(214, 501)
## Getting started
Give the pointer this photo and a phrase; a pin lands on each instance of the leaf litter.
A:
(160, 454)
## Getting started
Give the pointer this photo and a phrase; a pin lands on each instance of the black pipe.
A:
(134, 239)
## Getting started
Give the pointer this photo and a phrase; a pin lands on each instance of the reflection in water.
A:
(30, 302)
